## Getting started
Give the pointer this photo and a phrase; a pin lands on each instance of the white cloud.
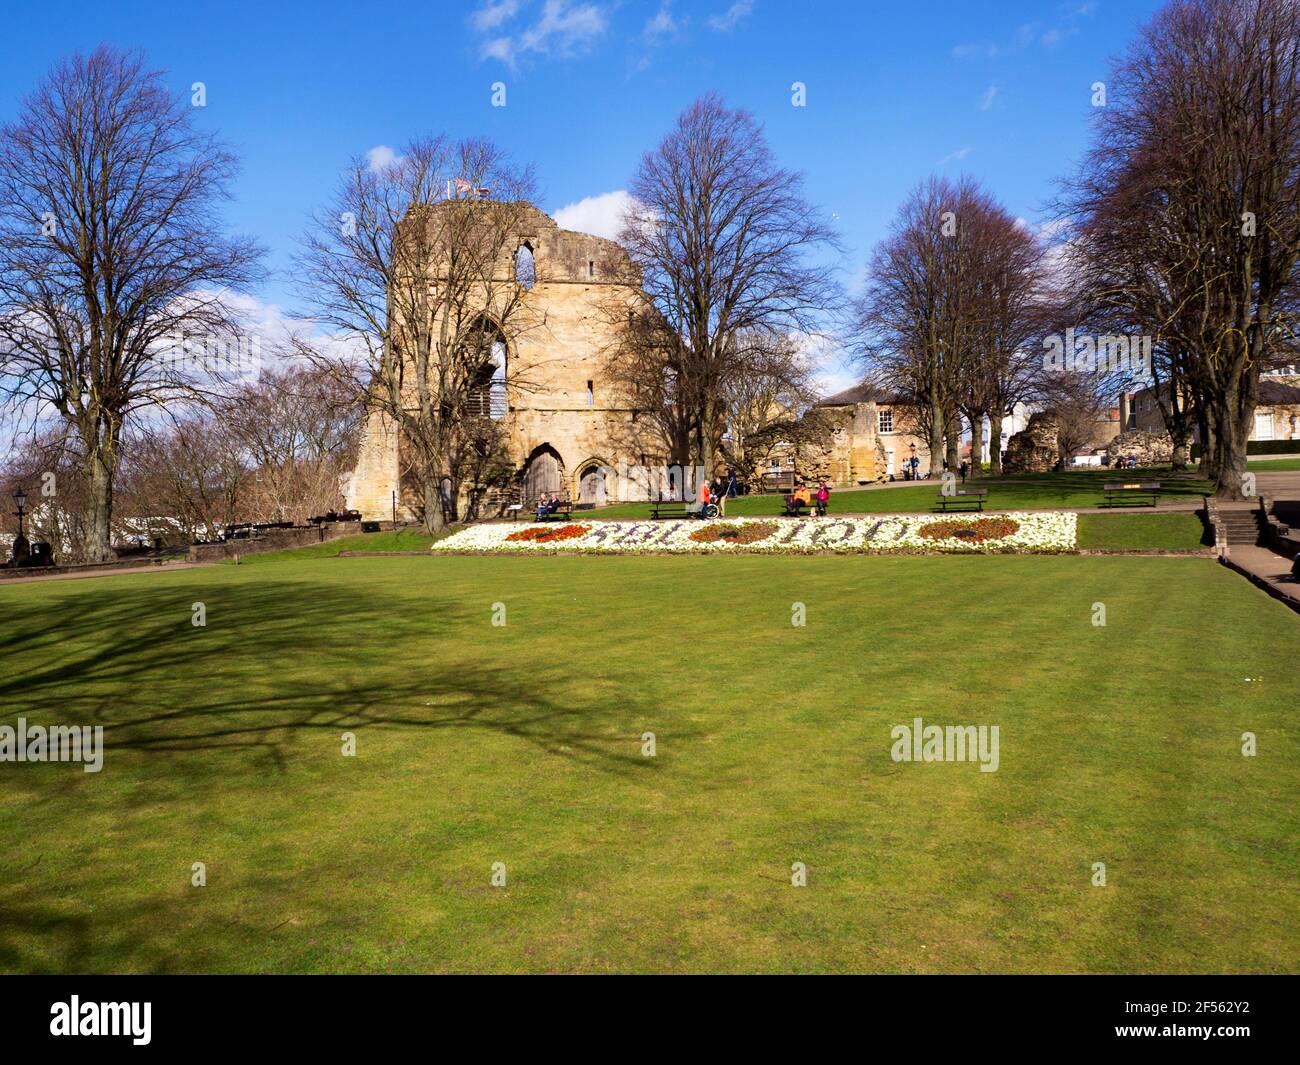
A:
(493, 14)
(562, 30)
(976, 50)
(960, 153)
(987, 97)
(1027, 35)
(663, 24)
(601, 216)
(731, 18)
(381, 156)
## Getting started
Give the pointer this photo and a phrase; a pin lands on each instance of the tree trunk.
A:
(99, 508)
(995, 443)
(936, 438)
(1209, 445)
(435, 519)
(952, 454)
(1232, 420)
(1182, 438)
(976, 444)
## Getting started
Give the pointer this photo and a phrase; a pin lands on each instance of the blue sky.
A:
(895, 90)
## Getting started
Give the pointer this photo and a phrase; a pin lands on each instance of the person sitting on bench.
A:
(546, 506)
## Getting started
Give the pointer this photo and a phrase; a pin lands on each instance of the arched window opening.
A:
(525, 265)
(487, 396)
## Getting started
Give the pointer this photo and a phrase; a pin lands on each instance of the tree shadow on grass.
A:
(110, 655)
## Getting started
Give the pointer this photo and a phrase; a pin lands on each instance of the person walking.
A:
(704, 496)
(963, 469)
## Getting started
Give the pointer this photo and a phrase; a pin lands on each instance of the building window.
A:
(886, 420)
(525, 266)
(591, 394)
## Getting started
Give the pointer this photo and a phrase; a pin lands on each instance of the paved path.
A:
(105, 571)
(1268, 569)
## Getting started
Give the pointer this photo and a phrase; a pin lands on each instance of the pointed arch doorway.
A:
(543, 473)
(591, 485)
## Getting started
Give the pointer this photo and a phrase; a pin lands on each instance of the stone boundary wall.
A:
(18, 572)
(278, 540)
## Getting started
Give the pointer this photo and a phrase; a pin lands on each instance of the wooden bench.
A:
(670, 508)
(1121, 493)
(563, 508)
(962, 499)
(799, 499)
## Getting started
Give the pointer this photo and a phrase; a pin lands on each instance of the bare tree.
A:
(721, 239)
(1002, 367)
(1197, 161)
(110, 253)
(945, 310)
(297, 429)
(189, 474)
(415, 260)
(772, 388)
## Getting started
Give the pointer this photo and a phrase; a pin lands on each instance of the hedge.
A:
(1262, 447)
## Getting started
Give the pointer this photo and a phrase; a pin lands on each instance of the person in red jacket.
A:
(823, 498)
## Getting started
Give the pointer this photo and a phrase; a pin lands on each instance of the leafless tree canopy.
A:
(415, 261)
(1188, 216)
(725, 245)
(110, 250)
(950, 310)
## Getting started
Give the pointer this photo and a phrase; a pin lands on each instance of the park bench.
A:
(962, 499)
(670, 508)
(799, 499)
(564, 508)
(777, 481)
(1121, 493)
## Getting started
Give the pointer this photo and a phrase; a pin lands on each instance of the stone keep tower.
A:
(562, 421)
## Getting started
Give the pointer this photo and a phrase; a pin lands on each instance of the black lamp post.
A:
(20, 497)
(21, 550)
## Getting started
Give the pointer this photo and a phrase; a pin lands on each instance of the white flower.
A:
(883, 534)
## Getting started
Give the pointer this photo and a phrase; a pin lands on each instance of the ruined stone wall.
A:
(564, 331)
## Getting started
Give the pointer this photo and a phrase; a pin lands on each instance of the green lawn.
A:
(1267, 465)
(397, 540)
(1062, 491)
(1143, 532)
(522, 744)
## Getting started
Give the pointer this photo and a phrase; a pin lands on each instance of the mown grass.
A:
(522, 744)
(396, 540)
(1178, 531)
(1269, 465)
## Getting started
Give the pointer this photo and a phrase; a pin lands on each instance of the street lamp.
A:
(20, 497)
(20, 548)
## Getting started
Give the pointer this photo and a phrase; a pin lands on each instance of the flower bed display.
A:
(748, 533)
(979, 531)
(547, 534)
(883, 534)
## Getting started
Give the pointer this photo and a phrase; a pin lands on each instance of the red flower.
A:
(546, 534)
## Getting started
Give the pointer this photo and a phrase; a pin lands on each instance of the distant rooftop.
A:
(865, 392)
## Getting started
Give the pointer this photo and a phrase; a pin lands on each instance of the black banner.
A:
(84, 1015)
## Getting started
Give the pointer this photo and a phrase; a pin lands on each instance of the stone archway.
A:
(543, 473)
(591, 485)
